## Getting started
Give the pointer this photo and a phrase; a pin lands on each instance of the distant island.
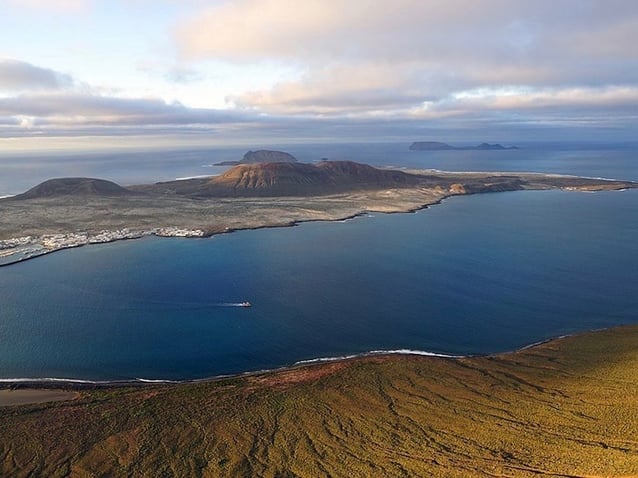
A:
(71, 212)
(438, 146)
(261, 156)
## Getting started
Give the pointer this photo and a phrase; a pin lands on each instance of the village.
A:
(27, 247)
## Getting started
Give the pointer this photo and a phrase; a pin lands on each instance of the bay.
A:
(478, 274)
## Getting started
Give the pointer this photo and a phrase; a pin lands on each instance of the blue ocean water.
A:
(477, 274)
(18, 172)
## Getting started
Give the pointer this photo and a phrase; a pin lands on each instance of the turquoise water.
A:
(477, 274)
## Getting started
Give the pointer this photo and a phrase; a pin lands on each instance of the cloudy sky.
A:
(199, 72)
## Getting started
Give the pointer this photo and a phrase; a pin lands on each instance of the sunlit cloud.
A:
(537, 104)
(367, 55)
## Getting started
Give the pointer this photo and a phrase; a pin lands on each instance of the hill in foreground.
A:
(74, 187)
(563, 408)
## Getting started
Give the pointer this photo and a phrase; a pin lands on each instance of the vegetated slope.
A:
(74, 187)
(564, 408)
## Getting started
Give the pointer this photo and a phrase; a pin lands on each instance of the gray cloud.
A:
(88, 109)
(76, 115)
(21, 76)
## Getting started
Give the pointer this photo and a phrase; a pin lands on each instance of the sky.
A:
(162, 73)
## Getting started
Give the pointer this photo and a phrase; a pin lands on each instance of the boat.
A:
(245, 304)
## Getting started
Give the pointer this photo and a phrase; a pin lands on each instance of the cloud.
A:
(55, 5)
(597, 104)
(475, 115)
(341, 89)
(494, 30)
(365, 55)
(88, 109)
(21, 76)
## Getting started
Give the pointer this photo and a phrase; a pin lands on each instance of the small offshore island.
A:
(71, 212)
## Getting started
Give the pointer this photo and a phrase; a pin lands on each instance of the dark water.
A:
(476, 274)
(18, 172)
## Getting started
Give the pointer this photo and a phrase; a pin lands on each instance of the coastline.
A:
(56, 383)
(38, 246)
(35, 382)
(562, 408)
(200, 234)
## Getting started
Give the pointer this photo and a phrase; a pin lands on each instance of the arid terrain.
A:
(255, 195)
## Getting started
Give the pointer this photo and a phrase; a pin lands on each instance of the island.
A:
(71, 212)
(566, 407)
(438, 146)
(261, 156)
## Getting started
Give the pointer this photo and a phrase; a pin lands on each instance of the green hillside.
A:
(564, 408)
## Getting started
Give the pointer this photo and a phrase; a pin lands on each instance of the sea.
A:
(476, 274)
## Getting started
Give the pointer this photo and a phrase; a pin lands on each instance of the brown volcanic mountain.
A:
(74, 187)
(301, 179)
(287, 179)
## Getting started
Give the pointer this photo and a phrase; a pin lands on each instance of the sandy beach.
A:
(9, 398)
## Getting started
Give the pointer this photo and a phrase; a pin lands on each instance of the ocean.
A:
(20, 171)
(474, 275)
